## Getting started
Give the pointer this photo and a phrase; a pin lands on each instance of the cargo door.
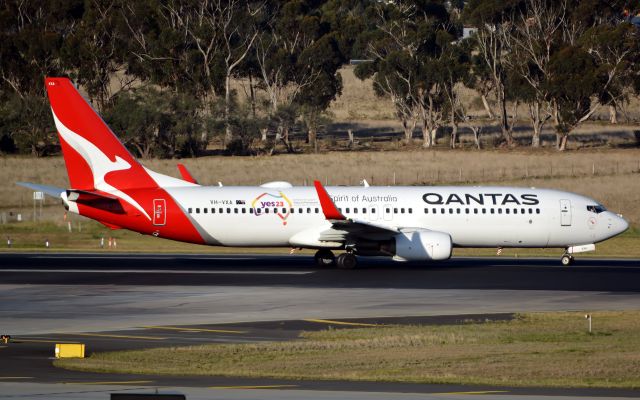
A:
(565, 212)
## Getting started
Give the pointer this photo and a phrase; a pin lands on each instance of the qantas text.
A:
(480, 199)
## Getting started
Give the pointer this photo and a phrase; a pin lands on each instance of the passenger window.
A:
(292, 210)
(373, 211)
(475, 210)
(493, 211)
(484, 210)
(251, 211)
(355, 210)
(244, 210)
(197, 210)
(402, 210)
(458, 210)
(220, 210)
(467, 211)
(190, 210)
(266, 211)
(426, 211)
(387, 210)
(442, 211)
(537, 211)
(347, 210)
(395, 210)
(300, 210)
(213, 210)
(364, 210)
(451, 211)
(523, 211)
(308, 210)
(411, 211)
(317, 211)
(284, 210)
(205, 210)
(435, 210)
(499, 210)
(507, 210)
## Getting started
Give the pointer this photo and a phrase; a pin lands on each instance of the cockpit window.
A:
(596, 209)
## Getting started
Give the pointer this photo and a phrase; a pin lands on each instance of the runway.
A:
(124, 301)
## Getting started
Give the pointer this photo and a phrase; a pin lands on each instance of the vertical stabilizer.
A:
(95, 158)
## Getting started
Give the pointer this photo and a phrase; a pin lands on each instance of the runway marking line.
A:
(177, 328)
(18, 340)
(472, 393)
(117, 336)
(331, 322)
(254, 387)
(4, 378)
(107, 383)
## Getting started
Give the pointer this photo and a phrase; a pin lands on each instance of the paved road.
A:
(114, 302)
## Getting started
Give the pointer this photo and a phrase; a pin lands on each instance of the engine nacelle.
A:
(422, 245)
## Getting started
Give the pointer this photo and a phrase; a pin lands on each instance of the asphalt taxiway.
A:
(122, 301)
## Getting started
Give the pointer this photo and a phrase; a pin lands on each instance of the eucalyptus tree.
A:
(298, 58)
(410, 52)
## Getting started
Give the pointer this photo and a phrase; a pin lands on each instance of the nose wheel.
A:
(324, 258)
(567, 259)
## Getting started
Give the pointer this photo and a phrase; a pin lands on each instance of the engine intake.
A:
(422, 245)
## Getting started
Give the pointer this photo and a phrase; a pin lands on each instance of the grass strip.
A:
(534, 349)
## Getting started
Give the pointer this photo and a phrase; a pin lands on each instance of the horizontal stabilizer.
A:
(48, 190)
(97, 200)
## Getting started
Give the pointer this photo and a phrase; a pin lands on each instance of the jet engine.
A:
(422, 245)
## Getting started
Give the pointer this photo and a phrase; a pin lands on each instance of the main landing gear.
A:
(324, 258)
(567, 259)
(347, 261)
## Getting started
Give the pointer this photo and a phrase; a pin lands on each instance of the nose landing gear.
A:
(567, 259)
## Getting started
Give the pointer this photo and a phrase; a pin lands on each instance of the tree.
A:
(298, 60)
(493, 18)
(155, 123)
(410, 53)
(93, 52)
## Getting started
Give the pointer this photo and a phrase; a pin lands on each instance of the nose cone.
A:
(621, 225)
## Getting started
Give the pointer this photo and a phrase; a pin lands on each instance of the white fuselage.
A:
(473, 216)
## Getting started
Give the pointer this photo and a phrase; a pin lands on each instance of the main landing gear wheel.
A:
(566, 260)
(324, 258)
(347, 261)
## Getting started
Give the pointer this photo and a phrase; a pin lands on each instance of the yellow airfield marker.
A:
(328, 321)
(177, 328)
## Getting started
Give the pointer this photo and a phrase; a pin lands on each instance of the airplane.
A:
(416, 223)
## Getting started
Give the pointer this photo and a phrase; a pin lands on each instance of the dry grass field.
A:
(547, 349)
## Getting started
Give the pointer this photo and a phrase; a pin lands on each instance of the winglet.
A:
(185, 174)
(329, 209)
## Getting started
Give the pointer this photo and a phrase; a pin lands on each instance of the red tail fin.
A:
(94, 156)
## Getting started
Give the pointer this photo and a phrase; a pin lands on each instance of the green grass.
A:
(538, 349)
